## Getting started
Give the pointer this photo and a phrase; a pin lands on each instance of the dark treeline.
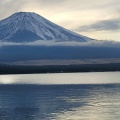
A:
(8, 69)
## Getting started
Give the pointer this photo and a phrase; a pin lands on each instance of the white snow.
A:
(38, 25)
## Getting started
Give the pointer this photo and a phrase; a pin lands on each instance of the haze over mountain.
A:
(27, 26)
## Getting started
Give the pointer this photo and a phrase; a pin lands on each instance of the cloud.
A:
(77, 9)
(104, 25)
(92, 43)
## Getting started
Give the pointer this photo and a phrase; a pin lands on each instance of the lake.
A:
(63, 96)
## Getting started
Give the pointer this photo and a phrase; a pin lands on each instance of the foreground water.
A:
(20, 99)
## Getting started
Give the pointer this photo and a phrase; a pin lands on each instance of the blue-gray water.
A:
(20, 99)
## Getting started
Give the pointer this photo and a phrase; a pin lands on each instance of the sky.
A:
(98, 19)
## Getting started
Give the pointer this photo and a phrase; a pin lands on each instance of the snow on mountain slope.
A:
(27, 26)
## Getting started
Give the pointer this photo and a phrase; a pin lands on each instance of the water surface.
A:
(62, 78)
(20, 99)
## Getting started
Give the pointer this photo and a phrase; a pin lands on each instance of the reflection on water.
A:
(62, 78)
(60, 102)
(28, 101)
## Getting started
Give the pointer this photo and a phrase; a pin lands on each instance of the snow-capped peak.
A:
(27, 26)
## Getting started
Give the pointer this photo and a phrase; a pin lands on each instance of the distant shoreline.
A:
(22, 69)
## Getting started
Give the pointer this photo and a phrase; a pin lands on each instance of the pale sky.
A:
(98, 19)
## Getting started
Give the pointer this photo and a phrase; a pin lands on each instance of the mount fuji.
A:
(27, 27)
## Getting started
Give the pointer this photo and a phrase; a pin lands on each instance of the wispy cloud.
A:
(93, 43)
(104, 25)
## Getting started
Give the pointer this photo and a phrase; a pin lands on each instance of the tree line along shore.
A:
(20, 69)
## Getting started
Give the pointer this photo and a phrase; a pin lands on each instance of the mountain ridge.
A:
(28, 26)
